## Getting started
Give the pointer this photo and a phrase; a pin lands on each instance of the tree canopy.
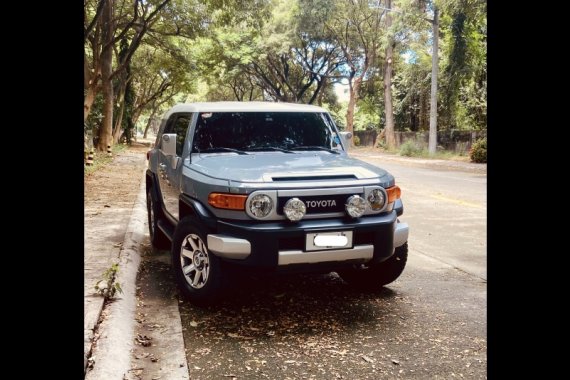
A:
(141, 57)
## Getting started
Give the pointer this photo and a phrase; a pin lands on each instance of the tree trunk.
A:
(149, 123)
(353, 98)
(432, 146)
(135, 118)
(388, 104)
(322, 93)
(88, 101)
(106, 130)
(350, 109)
(90, 78)
(118, 123)
(119, 118)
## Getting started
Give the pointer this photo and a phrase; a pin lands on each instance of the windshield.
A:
(259, 131)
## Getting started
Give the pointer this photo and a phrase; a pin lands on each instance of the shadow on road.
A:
(263, 306)
(304, 326)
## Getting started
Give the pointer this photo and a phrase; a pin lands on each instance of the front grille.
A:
(320, 204)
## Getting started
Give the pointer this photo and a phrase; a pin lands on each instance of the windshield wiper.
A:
(270, 148)
(314, 147)
(221, 149)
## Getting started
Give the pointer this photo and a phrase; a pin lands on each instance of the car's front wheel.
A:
(374, 276)
(198, 272)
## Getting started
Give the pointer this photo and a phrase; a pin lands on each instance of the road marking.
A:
(457, 201)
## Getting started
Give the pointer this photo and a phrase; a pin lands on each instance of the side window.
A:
(179, 124)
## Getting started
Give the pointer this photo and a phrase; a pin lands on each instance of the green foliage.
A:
(463, 86)
(410, 148)
(356, 140)
(338, 114)
(367, 114)
(462, 83)
(478, 152)
(295, 50)
(275, 57)
(107, 286)
(95, 119)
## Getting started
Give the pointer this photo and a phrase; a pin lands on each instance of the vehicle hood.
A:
(275, 166)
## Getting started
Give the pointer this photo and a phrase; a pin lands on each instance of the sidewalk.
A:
(116, 231)
(110, 194)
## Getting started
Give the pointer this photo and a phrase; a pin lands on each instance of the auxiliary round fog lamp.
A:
(295, 209)
(355, 206)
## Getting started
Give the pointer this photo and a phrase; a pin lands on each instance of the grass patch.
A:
(442, 155)
(410, 149)
(414, 149)
(101, 159)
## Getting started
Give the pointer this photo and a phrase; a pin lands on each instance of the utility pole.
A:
(432, 145)
(388, 104)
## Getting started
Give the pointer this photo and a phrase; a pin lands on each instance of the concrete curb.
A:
(112, 354)
(92, 315)
(113, 351)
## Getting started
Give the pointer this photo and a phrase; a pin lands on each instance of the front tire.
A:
(197, 271)
(375, 276)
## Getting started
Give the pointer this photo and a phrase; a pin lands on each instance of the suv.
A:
(268, 186)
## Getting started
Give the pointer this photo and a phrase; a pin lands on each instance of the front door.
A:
(169, 167)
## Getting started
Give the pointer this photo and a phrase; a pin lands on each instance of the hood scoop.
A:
(312, 177)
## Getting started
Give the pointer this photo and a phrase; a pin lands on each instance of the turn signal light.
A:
(227, 201)
(394, 193)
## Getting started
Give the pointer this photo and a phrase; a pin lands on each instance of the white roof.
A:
(243, 107)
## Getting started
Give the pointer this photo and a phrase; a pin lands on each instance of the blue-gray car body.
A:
(320, 173)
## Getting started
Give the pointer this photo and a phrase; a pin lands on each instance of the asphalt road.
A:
(447, 214)
(430, 323)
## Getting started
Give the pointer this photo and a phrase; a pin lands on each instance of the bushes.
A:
(410, 148)
(478, 152)
(356, 140)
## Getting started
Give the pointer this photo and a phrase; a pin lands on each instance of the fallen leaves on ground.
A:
(144, 340)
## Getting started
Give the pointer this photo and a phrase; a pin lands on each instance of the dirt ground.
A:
(109, 195)
(108, 180)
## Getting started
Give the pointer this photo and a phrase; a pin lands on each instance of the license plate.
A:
(328, 240)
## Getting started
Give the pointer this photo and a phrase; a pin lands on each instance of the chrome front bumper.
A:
(401, 234)
(239, 249)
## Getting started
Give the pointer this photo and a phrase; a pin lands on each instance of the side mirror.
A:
(345, 137)
(168, 144)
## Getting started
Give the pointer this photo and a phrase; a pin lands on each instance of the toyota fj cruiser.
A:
(268, 186)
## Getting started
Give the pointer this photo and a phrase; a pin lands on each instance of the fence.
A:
(367, 137)
(455, 140)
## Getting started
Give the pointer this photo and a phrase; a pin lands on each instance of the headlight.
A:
(260, 205)
(355, 206)
(376, 199)
(295, 209)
